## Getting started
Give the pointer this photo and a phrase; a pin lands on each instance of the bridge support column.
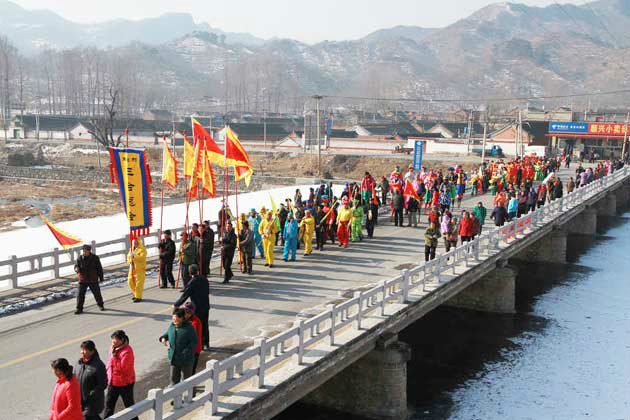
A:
(607, 206)
(374, 387)
(495, 292)
(550, 249)
(584, 223)
(623, 197)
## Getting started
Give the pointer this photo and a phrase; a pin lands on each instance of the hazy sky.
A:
(309, 21)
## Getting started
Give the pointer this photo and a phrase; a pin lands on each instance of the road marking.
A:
(81, 339)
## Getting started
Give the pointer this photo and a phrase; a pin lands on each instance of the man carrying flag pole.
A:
(169, 176)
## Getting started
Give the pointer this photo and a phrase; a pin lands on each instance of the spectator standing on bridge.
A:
(137, 260)
(90, 272)
(121, 373)
(570, 185)
(431, 236)
(66, 400)
(466, 227)
(449, 231)
(228, 248)
(180, 339)
(167, 256)
(92, 377)
(198, 292)
(512, 207)
(499, 215)
(398, 205)
(247, 246)
(189, 309)
(480, 213)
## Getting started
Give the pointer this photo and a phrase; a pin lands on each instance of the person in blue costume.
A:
(291, 231)
(254, 222)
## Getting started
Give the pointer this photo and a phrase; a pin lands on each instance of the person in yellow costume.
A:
(137, 260)
(308, 223)
(268, 229)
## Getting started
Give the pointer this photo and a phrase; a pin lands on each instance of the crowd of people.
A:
(517, 187)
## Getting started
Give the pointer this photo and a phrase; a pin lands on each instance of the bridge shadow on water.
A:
(452, 346)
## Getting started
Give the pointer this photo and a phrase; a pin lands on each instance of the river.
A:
(565, 354)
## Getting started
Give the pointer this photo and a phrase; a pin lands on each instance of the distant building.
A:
(451, 130)
(158, 115)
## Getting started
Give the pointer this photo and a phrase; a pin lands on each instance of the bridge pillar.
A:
(584, 223)
(550, 249)
(374, 387)
(495, 292)
(623, 197)
(607, 206)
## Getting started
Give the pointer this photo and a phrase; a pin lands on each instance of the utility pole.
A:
(485, 134)
(319, 145)
(625, 138)
(519, 136)
(470, 123)
(264, 119)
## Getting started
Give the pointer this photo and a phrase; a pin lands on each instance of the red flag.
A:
(410, 191)
(65, 239)
(213, 151)
(237, 156)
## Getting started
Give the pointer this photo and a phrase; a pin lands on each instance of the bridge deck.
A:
(265, 302)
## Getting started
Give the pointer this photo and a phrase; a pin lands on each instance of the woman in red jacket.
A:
(189, 307)
(466, 227)
(121, 375)
(66, 400)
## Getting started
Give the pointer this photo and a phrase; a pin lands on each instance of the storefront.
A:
(586, 138)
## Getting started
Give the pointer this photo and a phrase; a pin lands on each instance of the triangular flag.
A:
(66, 240)
(237, 157)
(410, 191)
(213, 151)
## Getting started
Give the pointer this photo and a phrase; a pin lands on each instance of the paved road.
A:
(244, 309)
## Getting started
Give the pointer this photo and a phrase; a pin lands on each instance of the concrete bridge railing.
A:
(223, 378)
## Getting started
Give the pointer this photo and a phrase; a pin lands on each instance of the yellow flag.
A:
(169, 167)
(189, 158)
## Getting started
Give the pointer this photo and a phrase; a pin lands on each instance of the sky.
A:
(307, 21)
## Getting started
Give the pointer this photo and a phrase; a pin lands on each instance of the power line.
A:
(601, 23)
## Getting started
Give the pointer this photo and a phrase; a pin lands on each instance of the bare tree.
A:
(102, 127)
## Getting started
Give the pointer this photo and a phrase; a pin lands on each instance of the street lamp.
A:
(264, 118)
(319, 144)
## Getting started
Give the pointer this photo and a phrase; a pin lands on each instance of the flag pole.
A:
(225, 192)
(127, 136)
(238, 219)
(161, 207)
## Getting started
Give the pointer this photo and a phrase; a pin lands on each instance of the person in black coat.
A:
(90, 273)
(92, 376)
(198, 291)
(206, 246)
(499, 215)
(227, 252)
(167, 256)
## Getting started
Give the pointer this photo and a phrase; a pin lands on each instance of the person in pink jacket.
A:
(66, 400)
(121, 374)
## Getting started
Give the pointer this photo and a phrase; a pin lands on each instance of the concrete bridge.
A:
(345, 356)
(348, 357)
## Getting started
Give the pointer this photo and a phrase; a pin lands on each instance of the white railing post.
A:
(333, 319)
(384, 295)
(404, 289)
(14, 272)
(93, 245)
(56, 263)
(261, 343)
(300, 325)
(359, 295)
(158, 403)
(212, 385)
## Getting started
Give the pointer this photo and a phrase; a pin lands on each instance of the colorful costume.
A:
(344, 217)
(308, 222)
(268, 229)
(290, 234)
(137, 258)
(357, 221)
(254, 223)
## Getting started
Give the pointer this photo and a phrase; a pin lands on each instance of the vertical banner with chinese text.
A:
(130, 171)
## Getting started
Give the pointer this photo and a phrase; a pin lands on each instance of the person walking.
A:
(188, 256)
(320, 227)
(66, 399)
(344, 218)
(466, 227)
(254, 223)
(268, 229)
(137, 260)
(480, 213)
(398, 203)
(167, 256)
(198, 291)
(189, 309)
(499, 215)
(431, 236)
(451, 236)
(308, 224)
(206, 247)
(247, 246)
(357, 221)
(90, 273)
(121, 373)
(180, 338)
(372, 218)
(92, 376)
(290, 234)
(512, 207)
(412, 212)
(227, 252)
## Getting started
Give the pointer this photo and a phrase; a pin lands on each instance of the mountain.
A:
(502, 50)
(34, 30)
